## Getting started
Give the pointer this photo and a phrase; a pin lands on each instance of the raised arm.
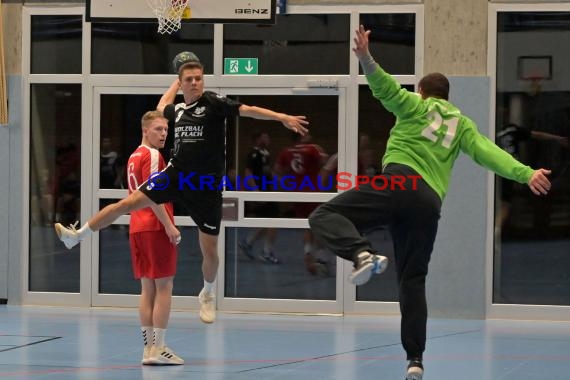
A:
(385, 88)
(168, 96)
(362, 52)
(294, 123)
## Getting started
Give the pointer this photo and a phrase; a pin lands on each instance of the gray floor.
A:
(81, 343)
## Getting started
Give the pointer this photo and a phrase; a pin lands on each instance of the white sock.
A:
(84, 231)
(208, 286)
(147, 334)
(308, 247)
(159, 337)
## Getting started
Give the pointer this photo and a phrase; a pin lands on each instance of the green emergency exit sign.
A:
(240, 66)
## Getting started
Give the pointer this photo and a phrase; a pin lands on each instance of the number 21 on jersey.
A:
(432, 133)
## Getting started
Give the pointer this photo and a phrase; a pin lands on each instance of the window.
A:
(296, 44)
(533, 124)
(56, 44)
(55, 185)
(250, 272)
(321, 110)
(392, 41)
(136, 48)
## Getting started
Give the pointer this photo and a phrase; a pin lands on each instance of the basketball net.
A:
(169, 13)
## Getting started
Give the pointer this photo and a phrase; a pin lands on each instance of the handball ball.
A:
(183, 57)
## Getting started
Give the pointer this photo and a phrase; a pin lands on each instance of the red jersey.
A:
(142, 163)
(303, 161)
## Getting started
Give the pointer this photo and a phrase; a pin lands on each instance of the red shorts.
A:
(152, 254)
(304, 209)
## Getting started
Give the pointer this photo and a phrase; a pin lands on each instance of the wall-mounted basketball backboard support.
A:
(200, 11)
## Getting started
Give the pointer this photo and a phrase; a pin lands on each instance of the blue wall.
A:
(11, 199)
(456, 283)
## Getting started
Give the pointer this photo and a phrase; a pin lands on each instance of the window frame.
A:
(496, 310)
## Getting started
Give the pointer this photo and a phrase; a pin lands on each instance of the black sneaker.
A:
(246, 249)
(270, 258)
(415, 370)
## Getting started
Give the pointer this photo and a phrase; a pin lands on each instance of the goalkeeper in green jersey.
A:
(428, 136)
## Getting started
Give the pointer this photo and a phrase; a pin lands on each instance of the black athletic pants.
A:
(411, 216)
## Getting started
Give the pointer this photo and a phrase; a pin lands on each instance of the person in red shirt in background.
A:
(303, 161)
(153, 239)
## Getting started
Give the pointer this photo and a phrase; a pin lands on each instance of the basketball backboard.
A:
(533, 67)
(201, 11)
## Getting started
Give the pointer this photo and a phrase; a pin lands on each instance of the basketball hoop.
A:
(169, 13)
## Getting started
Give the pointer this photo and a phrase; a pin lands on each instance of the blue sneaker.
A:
(367, 264)
(380, 264)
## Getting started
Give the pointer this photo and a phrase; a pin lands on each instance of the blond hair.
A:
(149, 116)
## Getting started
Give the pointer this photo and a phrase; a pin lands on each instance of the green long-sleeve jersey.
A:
(430, 133)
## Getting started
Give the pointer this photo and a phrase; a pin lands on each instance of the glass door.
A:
(271, 261)
(268, 261)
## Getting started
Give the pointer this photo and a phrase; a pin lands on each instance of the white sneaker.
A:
(207, 307)
(163, 356)
(367, 263)
(68, 235)
(415, 370)
(146, 354)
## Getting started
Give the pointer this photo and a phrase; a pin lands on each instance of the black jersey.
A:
(259, 162)
(510, 138)
(200, 133)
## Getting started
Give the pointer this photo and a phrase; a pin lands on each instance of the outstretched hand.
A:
(361, 42)
(539, 183)
(296, 124)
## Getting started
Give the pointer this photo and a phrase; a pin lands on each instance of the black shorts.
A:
(198, 194)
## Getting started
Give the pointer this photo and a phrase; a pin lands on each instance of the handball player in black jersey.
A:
(195, 171)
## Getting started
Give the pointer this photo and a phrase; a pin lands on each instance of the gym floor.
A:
(91, 343)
